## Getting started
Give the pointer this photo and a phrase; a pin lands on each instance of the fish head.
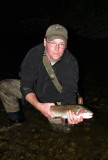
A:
(85, 113)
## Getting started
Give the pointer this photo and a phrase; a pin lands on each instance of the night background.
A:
(22, 26)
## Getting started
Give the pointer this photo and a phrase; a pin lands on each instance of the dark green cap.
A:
(57, 31)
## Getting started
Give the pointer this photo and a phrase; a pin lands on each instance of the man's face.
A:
(54, 49)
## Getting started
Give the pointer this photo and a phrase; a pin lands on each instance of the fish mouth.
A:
(87, 115)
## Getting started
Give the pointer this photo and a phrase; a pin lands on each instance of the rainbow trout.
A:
(79, 110)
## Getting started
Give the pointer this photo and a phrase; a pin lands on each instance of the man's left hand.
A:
(72, 118)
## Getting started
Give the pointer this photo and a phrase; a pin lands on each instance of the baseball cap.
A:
(57, 31)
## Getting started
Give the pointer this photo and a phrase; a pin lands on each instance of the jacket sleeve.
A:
(29, 70)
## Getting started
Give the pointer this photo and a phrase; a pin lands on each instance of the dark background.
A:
(23, 24)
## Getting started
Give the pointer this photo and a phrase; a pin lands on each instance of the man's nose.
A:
(57, 46)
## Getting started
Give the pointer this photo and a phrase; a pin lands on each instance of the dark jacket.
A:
(35, 79)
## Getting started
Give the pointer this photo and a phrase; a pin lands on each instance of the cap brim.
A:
(52, 37)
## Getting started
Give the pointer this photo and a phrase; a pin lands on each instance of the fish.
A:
(60, 111)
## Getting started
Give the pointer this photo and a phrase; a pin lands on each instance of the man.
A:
(36, 85)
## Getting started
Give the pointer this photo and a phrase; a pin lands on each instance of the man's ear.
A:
(45, 41)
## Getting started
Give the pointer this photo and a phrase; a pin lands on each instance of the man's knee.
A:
(9, 87)
(3, 85)
(10, 93)
(3, 88)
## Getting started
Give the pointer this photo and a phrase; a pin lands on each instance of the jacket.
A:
(35, 79)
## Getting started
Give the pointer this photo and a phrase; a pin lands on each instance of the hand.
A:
(45, 109)
(72, 118)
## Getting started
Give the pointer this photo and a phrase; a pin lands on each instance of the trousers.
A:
(10, 94)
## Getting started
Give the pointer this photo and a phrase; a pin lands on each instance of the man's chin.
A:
(56, 58)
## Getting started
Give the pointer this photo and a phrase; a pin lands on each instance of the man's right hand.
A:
(45, 109)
